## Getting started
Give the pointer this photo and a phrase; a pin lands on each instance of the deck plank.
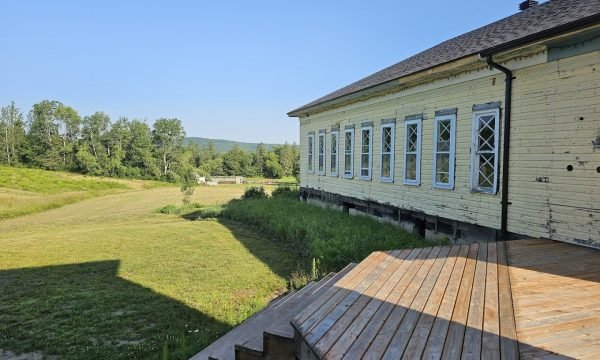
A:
(318, 304)
(418, 339)
(334, 333)
(385, 334)
(339, 291)
(490, 344)
(346, 339)
(326, 322)
(509, 348)
(456, 331)
(361, 344)
(404, 332)
(437, 338)
(474, 330)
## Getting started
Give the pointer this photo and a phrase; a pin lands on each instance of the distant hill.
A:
(226, 145)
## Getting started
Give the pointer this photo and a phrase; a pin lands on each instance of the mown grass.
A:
(25, 191)
(110, 278)
(331, 237)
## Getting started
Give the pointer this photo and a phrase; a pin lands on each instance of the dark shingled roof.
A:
(523, 25)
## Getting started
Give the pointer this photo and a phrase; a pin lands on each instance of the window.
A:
(366, 152)
(321, 154)
(349, 153)
(412, 152)
(311, 153)
(443, 152)
(387, 152)
(333, 153)
(484, 151)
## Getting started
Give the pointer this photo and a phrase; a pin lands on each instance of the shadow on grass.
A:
(263, 247)
(86, 311)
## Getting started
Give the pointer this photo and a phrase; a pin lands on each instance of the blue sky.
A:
(227, 69)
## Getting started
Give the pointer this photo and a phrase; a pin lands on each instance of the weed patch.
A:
(332, 238)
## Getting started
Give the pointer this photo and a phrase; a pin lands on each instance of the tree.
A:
(287, 156)
(259, 159)
(12, 134)
(273, 168)
(94, 130)
(138, 151)
(43, 141)
(69, 129)
(167, 137)
(116, 140)
(188, 184)
(237, 162)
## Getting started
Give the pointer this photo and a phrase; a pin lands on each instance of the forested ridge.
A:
(55, 136)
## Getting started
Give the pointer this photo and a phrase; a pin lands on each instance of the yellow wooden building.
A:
(490, 134)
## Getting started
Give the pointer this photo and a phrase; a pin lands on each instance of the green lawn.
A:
(110, 278)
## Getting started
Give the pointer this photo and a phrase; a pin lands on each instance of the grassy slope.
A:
(25, 191)
(109, 278)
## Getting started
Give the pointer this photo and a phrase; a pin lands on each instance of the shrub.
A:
(169, 209)
(176, 210)
(285, 191)
(255, 192)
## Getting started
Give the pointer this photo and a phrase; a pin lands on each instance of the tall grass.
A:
(331, 237)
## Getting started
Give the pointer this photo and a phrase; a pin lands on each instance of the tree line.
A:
(55, 137)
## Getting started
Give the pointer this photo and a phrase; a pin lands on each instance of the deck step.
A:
(268, 333)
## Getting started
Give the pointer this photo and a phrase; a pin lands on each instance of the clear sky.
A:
(228, 70)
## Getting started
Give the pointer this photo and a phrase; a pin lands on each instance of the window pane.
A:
(333, 163)
(411, 166)
(442, 171)
(348, 163)
(366, 139)
(333, 144)
(486, 132)
(321, 144)
(443, 141)
(348, 141)
(412, 137)
(486, 171)
(364, 162)
(387, 139)
(385, 165)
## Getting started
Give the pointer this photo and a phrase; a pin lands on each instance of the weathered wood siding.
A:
(556, 115)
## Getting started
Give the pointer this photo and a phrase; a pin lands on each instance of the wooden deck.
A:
(457, 302)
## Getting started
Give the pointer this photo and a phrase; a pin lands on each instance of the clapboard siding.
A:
(556, 115)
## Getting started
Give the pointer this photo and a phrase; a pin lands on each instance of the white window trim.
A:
(452, 153)
(349, 175)
(311, 140)
(322, 135)
(370, 129)
(392, 127)
(475, 158)
(407, 123)
(337, 153)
